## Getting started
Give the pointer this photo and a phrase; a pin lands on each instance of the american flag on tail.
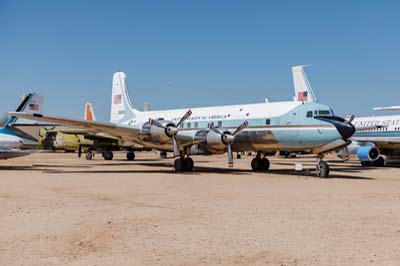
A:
(117, 99)
(302, 96)
(34, 107)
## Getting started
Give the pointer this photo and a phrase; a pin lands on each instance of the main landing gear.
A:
(90, 154)
(183, 164)
(163, 154)
(322, 168)
(130, 156)
(260, 163)
(108, 155)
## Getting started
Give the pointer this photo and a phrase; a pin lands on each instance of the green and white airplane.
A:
(261, 127)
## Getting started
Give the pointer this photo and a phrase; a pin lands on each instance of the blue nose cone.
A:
(344, 127)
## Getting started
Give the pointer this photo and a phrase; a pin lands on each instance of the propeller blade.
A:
(240, 128)
(186, 116)
(177, 153)
(230, 155)
(351, 118)
(155, 123)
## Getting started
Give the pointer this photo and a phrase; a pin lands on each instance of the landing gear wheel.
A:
(260, 164)
(255, 164)
(130, 156)
(264, 164)
(323, 169)
(178, 164)
(163, 154)
(238, 156)
(185, 164)
(89, 155)
(108, 155)
(188, 164)
(380, 162)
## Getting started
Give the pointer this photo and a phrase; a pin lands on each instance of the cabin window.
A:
(219, 123)
(309, 114)
(268, 122)
(324, 112)
(196, 124)
(189, 125)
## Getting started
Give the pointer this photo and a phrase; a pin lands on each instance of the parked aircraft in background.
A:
(78, 139)
(18, 135)
(258, 127)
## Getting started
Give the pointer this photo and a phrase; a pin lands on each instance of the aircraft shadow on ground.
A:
(167, 168)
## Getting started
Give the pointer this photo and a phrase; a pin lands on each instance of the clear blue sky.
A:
(195, 53)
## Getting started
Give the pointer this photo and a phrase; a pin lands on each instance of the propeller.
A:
(351, 118)
(171, 130)
(228, 138)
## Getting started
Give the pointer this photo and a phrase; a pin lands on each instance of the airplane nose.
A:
(344, 127)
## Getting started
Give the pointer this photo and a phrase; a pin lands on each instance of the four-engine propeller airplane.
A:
(260, 127)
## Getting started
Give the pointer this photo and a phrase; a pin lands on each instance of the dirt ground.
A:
(57, 209)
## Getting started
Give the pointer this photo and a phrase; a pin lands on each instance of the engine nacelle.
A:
(162, 135)
(367, 153)
(217, 141)
(154, 133)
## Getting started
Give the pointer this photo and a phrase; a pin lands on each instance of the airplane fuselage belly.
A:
(263, 139)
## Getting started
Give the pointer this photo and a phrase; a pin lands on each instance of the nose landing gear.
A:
(322, 168)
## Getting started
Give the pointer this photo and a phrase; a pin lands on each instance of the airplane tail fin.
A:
(302, 88)
(32, 103)
(89, 113)
(121, 105)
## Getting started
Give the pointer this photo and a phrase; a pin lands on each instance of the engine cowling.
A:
(163, 135)
(367, 153)
(217, 141)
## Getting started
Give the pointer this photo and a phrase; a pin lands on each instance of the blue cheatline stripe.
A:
(377, 134)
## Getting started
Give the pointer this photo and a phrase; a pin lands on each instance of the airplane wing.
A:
(379, 141)
(389, 108)
(126, 133)
(8, 154)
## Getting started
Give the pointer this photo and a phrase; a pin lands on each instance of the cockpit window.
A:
(324, 112)
(309, 114)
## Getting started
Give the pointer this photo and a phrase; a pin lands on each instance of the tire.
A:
(188, 164)
(163, 154)
(108, 155)
(323, 169)
(89, 155)
(255, 164)
(130, 156)
(265, 164)
(178, 165)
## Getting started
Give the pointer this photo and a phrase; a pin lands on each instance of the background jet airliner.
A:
(258, 127)
(18, 135)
